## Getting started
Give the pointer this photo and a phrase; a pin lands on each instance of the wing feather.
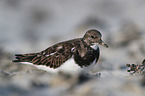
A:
(54, 56)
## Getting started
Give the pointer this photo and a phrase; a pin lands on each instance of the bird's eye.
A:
(92, 36)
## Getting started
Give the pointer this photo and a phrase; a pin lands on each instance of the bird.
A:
(72, 56)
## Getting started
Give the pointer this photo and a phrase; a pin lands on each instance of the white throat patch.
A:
(94, 46)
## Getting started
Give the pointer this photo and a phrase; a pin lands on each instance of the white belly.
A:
(69, 67)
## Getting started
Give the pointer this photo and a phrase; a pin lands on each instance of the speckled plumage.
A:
(83, 50)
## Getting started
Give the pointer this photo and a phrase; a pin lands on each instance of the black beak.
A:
(103, 44)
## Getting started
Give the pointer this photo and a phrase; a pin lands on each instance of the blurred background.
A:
(33, 25)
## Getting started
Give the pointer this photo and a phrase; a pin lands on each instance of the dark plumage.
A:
(84, 51)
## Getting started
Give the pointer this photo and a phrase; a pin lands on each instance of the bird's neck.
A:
(94, 46)
(86, 42)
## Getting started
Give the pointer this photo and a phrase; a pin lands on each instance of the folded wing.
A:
(53, 56)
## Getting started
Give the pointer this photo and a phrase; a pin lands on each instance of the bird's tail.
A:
(24, 57)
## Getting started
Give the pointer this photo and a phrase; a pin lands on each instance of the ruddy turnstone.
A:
(70, 56)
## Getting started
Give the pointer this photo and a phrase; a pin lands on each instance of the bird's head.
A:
(93, 37)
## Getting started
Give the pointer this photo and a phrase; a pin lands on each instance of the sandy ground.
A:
(33, 25)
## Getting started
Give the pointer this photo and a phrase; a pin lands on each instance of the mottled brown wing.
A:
(54, 56)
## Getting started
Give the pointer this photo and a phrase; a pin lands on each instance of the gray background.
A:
(33, 25)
